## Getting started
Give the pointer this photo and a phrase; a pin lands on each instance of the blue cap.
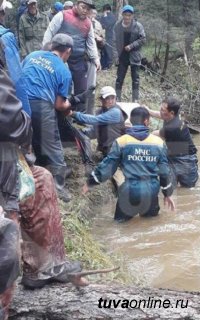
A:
(128, 8)
(58, 6)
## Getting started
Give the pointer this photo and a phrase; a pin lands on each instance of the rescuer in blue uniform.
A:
(143, 161)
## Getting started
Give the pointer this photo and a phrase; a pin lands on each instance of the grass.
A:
(80, 245)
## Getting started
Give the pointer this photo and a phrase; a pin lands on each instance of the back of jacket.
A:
(140, 160)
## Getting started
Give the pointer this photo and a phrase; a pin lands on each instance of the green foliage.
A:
(196, 48)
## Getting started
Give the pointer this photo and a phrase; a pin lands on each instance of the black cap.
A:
(88, 2)
(62, 39)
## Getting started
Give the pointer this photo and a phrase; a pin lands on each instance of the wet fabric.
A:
(15, 130)
(5, 300)
(184, 170)
(46, 137)
(68, 132)
(181, 152)
(131, 199)
(9, 253)
(9, 262)
(145, 168)
(43, 242)
(178, 138)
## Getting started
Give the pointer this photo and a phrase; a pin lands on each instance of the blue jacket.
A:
(107, 125)
(141, 157)
(112, 115)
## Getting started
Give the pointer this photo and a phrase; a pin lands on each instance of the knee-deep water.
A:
(161, 252)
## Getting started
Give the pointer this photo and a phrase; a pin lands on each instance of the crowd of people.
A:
(48, 74)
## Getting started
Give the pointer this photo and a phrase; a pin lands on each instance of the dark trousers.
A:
(79, 77)
(121, 73)
(69, 133)
(106, 57)
(46, 137)
(184, 170)
(137, 197)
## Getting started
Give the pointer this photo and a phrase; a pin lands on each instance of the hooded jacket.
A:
(141, 157)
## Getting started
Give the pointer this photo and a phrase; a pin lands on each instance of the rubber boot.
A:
(118, 93)
(90, 103)
(59, 174)
(135, 95)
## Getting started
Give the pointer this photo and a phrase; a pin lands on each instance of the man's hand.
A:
(81, 97)
(70, 113)
(127, 48)
(85, 189)
(170, 203)
(98, 65)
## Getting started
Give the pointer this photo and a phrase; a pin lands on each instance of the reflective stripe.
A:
(95, 178)
(167, 187)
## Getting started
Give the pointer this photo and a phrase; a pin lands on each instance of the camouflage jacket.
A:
(31, 32)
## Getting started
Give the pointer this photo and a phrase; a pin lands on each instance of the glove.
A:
(81, 97)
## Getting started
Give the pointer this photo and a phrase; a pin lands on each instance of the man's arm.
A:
(165, 178)
(107, 167)
(22, 40)
(137, 44)
(153, 113)
(53, 28)
(91, 48)
(109, 117)
(115, 52)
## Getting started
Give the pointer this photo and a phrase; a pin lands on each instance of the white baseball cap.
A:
(107, 91)
(5, 4)
(68, 4)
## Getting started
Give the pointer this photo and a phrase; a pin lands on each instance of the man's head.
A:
(170, 108)
(92, 14)
(58, 6)
(3, 6)
(108, 97)
(127, 14)
(140, 116)
(83, 8)
(63, 44)
(68, 5)
(32, 7)
(107, 8)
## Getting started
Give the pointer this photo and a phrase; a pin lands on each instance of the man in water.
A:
(143, 161)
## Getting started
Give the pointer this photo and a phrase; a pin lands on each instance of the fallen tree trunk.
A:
(65, 302)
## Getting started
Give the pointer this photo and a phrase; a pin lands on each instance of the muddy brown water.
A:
(161, 252)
